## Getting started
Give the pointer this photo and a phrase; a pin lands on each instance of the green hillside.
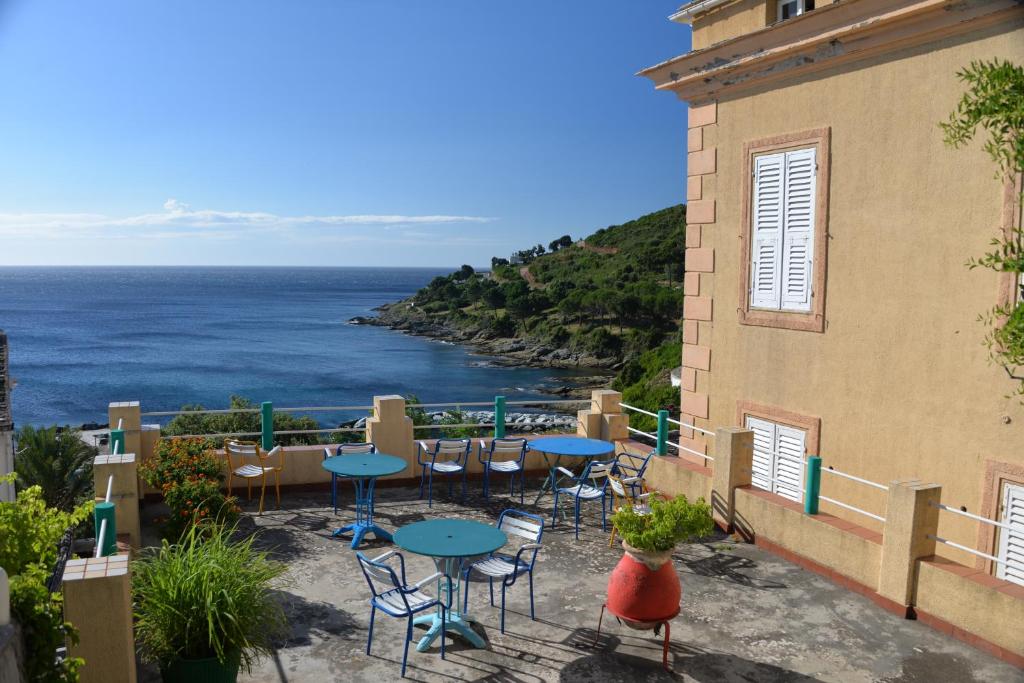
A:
(612, 300)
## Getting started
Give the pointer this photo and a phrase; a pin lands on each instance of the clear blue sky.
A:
(329, 132)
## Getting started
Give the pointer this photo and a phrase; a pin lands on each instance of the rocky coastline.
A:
(405, 317)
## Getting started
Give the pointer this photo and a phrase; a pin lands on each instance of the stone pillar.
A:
(98, 602)
(605, 419)
(6, 424)
(390, 429)
(909, 518)
(124, 494)
(734, 458)
(130, 414)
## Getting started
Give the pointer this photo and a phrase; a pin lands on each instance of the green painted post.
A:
(499, 417)
(117, 438)
(662, 432)
(267, 424)
(105, 511)
(813, 485)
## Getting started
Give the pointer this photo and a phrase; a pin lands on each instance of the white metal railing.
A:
(670, 420)
(972, 551)
(844, 475)
(328, 409)
(852, 508)
(671, 443)
(978, 518)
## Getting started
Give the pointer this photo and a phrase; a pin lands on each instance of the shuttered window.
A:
(778, 457)
(783, 220)
(1011, 541)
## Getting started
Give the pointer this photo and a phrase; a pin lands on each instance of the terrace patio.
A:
(747, 615)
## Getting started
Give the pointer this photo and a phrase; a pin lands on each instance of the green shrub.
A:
(58, 462)
(241, 423)
(207, 596)
(29, 534)
(189, 474)
(670, 522)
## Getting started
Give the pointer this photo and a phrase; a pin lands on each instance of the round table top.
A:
(449, 538)
(367, 465)
(572, 446)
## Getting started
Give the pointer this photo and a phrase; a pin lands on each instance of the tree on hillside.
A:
(463, 273)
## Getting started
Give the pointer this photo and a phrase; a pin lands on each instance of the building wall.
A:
(899, 377)
(729, 21)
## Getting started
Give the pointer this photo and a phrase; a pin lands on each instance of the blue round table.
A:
(450, 540)
(568, 447)
(363, 470)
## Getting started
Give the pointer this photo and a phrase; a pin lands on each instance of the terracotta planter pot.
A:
(644, 588)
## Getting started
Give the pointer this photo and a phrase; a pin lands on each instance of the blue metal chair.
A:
(447, 457)
(511, 454)
(630, 467)
(591, 485)
(393, 596)
(345, 449)
(506, 567)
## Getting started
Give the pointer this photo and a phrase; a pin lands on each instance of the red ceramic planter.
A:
(641, 595)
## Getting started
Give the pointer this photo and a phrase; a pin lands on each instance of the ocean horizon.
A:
(81, 337)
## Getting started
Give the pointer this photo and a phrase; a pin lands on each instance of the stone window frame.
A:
(808, 423)
(997, 473)
(813, 320)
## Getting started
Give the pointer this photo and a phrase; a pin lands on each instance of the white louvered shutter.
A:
(766, 240)
(790, 445)
(1011, 542)
(764, 442)
(798, 219)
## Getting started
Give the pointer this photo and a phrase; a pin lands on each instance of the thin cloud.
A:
(179, 219)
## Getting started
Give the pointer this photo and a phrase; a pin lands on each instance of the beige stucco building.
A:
(828, 305)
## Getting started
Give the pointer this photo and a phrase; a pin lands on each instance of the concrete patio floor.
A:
(746, 614)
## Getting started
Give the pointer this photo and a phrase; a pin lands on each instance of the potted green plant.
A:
(644, 589)
(204, 606)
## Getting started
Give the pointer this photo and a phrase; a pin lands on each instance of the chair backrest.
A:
(524, 525)
(381, 577)
(355, 448)
(456, 449)
(597, 473)
(507, 449)
(240, 451)
(618, 488)
(633, 464)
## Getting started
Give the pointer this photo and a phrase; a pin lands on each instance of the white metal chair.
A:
(447, 457)
(246, 460)
(623, 490)
(396, 598)
(591, 485)
(504, 456)
(509, 567)
(345, 449)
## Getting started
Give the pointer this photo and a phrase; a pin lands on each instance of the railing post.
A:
(734, 456)
(98, 601)
(662, 432)
(911, 522)
(267, 424)
(116, 444)
(106, 511)
(499, 417)
(813, 485)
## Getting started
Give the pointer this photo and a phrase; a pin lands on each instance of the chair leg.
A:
(444, 625)
(263, 491)
(577, 519)
(487, 472)
(405, 650)
(522, 484)
(423, 477)
(532, 615)
(430, 489)
(503, 606)
(277, 487)
(490, 582)
(369, 636)
(464, 482)
(334, 492)
(604, 524)
(554, 511)
(465, 591)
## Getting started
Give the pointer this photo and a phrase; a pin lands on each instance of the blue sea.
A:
(83, 337)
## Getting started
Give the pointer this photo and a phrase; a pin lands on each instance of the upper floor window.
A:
(791, 8)
(782, 257)
(784, 239)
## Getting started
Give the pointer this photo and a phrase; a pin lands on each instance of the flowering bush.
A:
(189, 474)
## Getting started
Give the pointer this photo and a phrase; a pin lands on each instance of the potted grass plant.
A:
(644, 589)
(204, 606)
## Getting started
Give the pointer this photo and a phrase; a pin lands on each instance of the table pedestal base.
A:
(456, 624)
(359, 530)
